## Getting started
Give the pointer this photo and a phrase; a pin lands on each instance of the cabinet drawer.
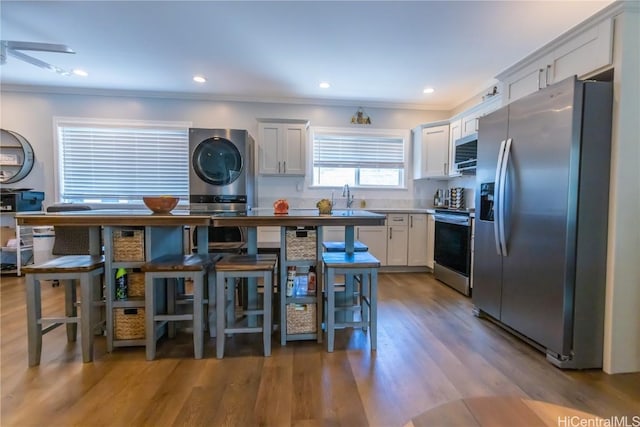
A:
(397, 219)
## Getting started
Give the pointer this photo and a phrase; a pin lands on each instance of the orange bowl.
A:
(161, 204)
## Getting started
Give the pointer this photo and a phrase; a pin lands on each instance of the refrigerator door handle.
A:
(503, 180)
(497, 202)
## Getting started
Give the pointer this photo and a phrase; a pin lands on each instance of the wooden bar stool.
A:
(234, 267)
(348, 289)
(364, 266)
(198, 268)
(70, 269)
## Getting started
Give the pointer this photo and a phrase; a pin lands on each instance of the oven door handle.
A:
(497, 202)
(451, 220)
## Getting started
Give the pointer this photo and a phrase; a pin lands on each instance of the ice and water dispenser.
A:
(486, 201)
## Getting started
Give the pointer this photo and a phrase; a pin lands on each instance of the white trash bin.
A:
(43, 239)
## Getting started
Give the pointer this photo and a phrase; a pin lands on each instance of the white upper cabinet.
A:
(282, 147)
(431, 151)
(471, 117)
(584, 51)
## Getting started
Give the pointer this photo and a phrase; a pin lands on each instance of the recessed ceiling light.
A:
(199, 79)
(325, 85)
(428, 90)
(79, 72)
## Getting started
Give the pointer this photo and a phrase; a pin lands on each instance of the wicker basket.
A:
(128, 323)
(301, 319)
(136, 284)
(128, 245)
(301, 244)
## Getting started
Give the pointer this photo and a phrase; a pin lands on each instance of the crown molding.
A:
(64, 90)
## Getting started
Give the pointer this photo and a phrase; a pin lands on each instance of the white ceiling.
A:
(372, 52)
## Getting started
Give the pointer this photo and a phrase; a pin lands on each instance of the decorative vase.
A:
(324, 210)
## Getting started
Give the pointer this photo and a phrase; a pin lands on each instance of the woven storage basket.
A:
(128, 323)
(128, 245)
(301, 319)
(136, 284)
(301, 244)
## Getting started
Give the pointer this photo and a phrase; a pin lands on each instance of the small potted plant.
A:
(324, 207)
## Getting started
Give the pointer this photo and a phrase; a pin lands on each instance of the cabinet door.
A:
(455, 133)
(417, 247)
(268, 148)
(397, 245)
(435, 141)
(293, 149)
(375, 237)
(282, 148)
(470, 124)
(525, 82)
(333, 234)
(584, 53)
(431, 234)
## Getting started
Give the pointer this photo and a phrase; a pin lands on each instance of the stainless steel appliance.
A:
(452, 249)
(466, 153)
(221, 172)
(541, 234)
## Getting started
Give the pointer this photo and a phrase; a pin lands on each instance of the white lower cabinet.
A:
(332, 234)
(417, 243)
(403, 241)
(398, 238)
(375, 237)
(431, 237)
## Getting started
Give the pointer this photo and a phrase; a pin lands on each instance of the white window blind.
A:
(120, 163)
(359, 158)
(358, 151)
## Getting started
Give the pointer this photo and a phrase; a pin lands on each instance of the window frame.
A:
(60, 121)
(404, 134)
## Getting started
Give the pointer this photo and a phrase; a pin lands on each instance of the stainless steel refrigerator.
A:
(542, 185)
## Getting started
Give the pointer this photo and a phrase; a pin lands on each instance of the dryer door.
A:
(217, 161)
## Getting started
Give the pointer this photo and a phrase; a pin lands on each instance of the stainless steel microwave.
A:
(466, 156)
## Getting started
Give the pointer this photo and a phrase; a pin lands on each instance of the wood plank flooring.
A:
(431, 351)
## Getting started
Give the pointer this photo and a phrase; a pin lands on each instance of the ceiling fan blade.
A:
(42, 47)
(38, 63)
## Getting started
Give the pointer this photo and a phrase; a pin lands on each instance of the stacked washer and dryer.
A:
(221, 181)
(221, 172)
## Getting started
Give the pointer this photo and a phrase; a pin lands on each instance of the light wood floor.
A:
(431, 351)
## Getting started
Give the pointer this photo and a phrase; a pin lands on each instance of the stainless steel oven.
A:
(453, 249)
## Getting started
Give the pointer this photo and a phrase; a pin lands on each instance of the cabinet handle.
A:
(411, 219)
(285, 167)
(390, 233)
(546, 83)
(540, 71)
(278, 167)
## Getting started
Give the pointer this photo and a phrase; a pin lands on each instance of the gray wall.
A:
(31, 114)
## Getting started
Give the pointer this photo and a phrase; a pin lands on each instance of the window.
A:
(361, 158)
(110, 162)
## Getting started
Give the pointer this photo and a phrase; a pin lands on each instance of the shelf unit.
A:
(23, 253)
(300, 299)
(157, 241)
(16, 157)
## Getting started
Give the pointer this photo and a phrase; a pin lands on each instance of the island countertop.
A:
(110, 217)
(254, 218)
(299, 217)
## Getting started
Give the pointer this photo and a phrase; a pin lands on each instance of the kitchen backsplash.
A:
(419, 194)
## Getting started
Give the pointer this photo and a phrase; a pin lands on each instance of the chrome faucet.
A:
(346, 192)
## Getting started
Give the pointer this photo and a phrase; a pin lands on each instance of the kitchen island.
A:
(164, 234)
